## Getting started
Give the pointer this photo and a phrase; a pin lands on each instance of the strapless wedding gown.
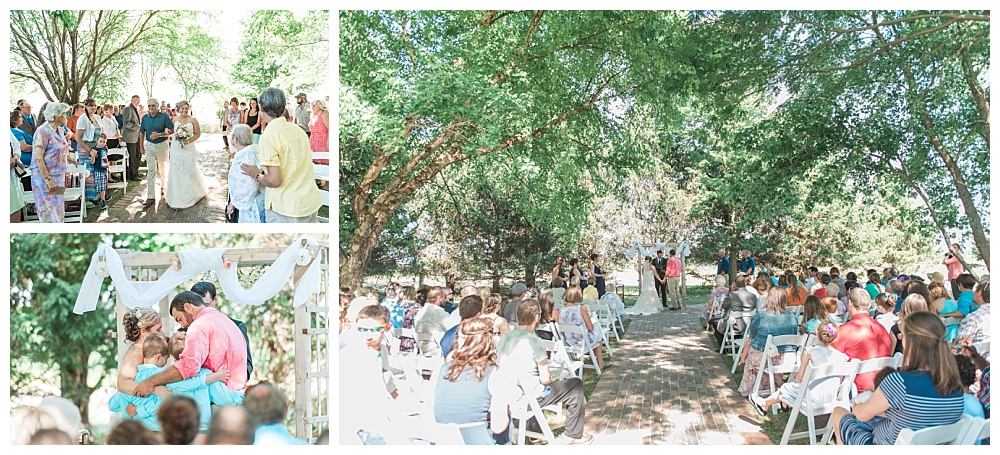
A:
(185, 182)
(648, 302)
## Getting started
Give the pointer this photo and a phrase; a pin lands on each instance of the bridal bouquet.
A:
(184, 132)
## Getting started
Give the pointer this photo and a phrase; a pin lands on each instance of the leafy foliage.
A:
(71, 55)
(283, 49)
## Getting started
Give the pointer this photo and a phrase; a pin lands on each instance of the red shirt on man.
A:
(673, 267)
(863, 338)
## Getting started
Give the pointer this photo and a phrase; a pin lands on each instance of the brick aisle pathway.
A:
(214, 164)
(667, 385)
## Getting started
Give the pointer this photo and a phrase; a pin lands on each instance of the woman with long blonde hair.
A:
(463, 393)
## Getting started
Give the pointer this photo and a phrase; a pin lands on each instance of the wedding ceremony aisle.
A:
(214, 164)
(668, 385)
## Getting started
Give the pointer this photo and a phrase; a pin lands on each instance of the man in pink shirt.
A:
(862, 337)
(955, 268)
(213, 342)
(674, 280)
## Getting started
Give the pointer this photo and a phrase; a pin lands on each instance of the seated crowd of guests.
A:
(177, 419)
(490, 365)
(940, 374)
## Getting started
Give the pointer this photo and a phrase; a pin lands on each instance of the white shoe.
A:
(586, 439)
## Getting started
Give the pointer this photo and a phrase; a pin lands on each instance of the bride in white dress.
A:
(186, 182)
(648, 302)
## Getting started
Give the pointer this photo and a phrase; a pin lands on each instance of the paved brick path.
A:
(214, 164)
(667, 386)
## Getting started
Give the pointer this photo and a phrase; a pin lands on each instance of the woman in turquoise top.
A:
(813, 312)
(941, 304)
(873, 287)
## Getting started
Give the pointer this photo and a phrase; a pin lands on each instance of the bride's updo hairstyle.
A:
(137, 320)
(180, 103)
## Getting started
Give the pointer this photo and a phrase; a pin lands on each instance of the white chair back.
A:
(806, 405)
(952, 434)
(583, 350)
(790, 364)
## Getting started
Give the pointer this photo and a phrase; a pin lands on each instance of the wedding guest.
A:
(130, 134)
(269, 407)
(131, 433)
(466, 386)
(49, 160)
(22, 138)
(773, 319)
(29, 122)
(251, 118)
(16, 192)
(302, 113)
(291, 195)
(246, 195)
(925, 392)
(319, 126)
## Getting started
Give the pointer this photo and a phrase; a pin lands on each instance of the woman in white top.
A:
(245, 193)
(88, 127)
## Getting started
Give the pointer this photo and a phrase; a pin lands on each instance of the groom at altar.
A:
(213, 342)
(660, 276)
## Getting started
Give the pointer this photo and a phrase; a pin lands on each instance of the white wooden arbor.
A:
(312, 402)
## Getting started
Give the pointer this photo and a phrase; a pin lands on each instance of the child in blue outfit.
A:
(216, 393)
(155, 353)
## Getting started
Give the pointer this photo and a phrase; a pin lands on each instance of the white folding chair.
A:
(790, 365)
(325, 195)
(120, 166)
(78, 174)
(984, 431)
(522, 411)
(953, 434)
(983, 348)
(804, 404)
(433, 433)
(602, 331)
(583, 350)
(616, 316)
(714, 310)
(608, 319)
(874, 365)
(560, 364)
(729, 339)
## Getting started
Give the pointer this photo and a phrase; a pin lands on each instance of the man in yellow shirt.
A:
(291, 195)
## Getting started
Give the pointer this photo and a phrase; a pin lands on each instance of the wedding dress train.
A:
(648, 302)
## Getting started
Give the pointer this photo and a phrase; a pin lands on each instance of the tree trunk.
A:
(496, 281)
(73, 386)
(529, 275)
(930, 131)
(362, 243)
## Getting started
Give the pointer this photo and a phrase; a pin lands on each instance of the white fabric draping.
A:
(682, 249)
(192, 263)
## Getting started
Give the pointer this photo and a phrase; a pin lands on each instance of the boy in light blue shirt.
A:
(155, 353)
(966, 304)
(216, 392)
